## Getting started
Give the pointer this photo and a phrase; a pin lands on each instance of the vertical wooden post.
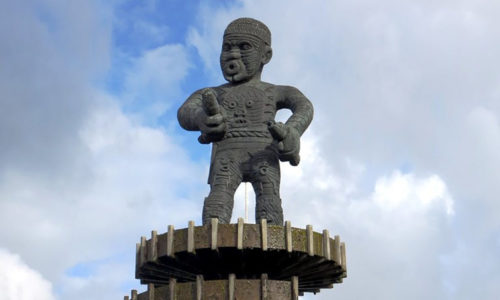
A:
(295, 288)
(213, 237)
(288, 236)
(190, 239)
(240, 233)
(153, 247)
(143, 251)
(263, 285)
(310, 240)
(199, 286)
(263, 233)
(326, 244)
(171, 288)
(232, 278)
(336, 251)
(170, 241)
(134, 295)
(151, 291)
(342, 251)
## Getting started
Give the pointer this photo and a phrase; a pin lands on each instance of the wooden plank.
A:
(288, 236)
(263, 233)
(134, 295)
(310, 240)
(126, 298)
(199, 285)
(295, 288)
(190, 239)
(213, 237)
(240, 234)
(170, 241)
(151, 291)
(232, 278)
(326, 244)
(263, 284)
(343, 257)
(153, 247)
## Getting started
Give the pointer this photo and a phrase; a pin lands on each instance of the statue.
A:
(238, 119)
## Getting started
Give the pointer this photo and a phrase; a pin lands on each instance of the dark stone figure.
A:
(238, 119)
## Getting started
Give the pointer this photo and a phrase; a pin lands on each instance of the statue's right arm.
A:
(191, 112)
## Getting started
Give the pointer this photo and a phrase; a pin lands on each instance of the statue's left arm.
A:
(288, 134)
(301, 107)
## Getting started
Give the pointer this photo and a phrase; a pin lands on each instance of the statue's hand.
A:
(288, 142)
(211, 121)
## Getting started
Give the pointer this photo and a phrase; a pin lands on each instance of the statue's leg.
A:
(266, 184)
(225, 178)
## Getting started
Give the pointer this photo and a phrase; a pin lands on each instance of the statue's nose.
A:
(234, 54)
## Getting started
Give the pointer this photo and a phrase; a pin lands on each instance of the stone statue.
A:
(238, 119)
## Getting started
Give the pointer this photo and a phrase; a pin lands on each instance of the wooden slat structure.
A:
(199, 256)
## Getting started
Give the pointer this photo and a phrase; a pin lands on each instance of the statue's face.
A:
(242, 57)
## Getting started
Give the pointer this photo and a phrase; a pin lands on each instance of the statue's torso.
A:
(247, 110)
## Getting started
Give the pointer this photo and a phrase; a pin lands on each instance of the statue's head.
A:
(246, 48)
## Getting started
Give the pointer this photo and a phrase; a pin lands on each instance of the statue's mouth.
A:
(233, 67)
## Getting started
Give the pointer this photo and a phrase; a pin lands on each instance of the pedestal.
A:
(238, 261)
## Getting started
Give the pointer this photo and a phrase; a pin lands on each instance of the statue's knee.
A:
(218, 205)
(269, 208)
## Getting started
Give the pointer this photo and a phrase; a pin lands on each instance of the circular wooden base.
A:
(246, 250)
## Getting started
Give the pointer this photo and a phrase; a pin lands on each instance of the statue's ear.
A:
(267, 55)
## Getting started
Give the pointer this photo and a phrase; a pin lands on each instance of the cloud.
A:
(153, 82)
(126, 186)
(81, 179)
(19, 282)
(388, 228)
(400, 190)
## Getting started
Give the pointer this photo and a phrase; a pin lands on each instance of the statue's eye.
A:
(226, 47)
(245, 46)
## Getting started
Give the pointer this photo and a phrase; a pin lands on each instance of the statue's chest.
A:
(247, 106)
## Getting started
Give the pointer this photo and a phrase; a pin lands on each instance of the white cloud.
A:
(19, 282)
(153, 82)
(388, 227)
(404, 190)
(82, 180)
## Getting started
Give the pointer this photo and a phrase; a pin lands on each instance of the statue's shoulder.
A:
(200, 91)
(269, 87)
(281, 91)
(288, 89)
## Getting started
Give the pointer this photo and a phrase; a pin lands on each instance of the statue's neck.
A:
(252, 81)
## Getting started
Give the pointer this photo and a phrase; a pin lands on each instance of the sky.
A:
(402, 159)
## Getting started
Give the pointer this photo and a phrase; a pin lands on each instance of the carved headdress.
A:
(249, 26)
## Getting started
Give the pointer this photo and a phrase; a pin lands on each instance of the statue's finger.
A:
(214, 120)
(203, 139)
(215, 129)
(281, 146)
(295, 160)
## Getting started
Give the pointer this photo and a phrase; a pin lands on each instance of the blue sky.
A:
(402, 159)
